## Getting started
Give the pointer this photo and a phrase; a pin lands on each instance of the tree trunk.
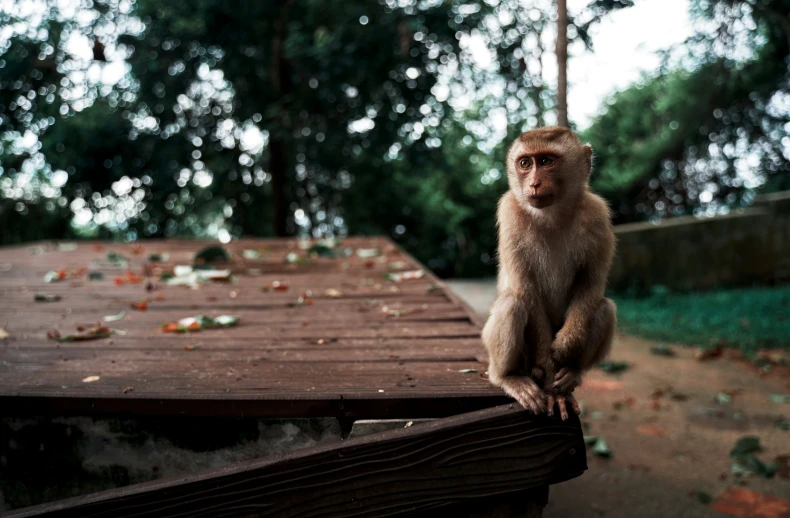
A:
(562, 63)
(278, 162)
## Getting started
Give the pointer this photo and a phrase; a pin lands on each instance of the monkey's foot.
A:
(561, 403)
(526, 392)
(567, 380)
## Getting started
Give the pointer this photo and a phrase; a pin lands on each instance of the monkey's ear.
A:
(587, 149)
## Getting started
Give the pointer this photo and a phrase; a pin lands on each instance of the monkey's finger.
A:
(574, 404)
(550, 404)
(563, 409)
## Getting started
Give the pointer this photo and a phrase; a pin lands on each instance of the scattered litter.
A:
(63, 274)
(115, 318)
(405, 276)
(779, 398)
(198, 323)
(141, 305)
(185, 275)
(117, 258)
(662, 350)
(380, 390)
(158, 258)
(467, 371)
(601, 449)
(397, 265)
(95, 276)
(251, 254)
(192, 347)
(276, 286)
(367, 253)
(66, 247)
(129, 278)
(708, 354)
(613, 367)
(91, 379)
(331, 292)
(304, 299)
(94, 333)
(212, 254)
(128, 389)
(402, 312)
(723, 398)
(42, 297)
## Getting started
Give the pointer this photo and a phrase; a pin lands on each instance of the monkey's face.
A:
(547, 166)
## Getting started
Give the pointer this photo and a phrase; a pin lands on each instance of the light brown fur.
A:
(550, 319)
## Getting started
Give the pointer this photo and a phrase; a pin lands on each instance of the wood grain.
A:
(497, 451)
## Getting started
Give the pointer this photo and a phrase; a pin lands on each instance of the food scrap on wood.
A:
(93, 333)
(185, 275)
(4, 334)
(276, 286)
(115, 318)
(128, 389)
(191, 347)
(140, 305)
(304, 299)
(386, 311)
(64, 274)
(44, 297)
(405, 276)
(198, 323)
(91, 379)
(129, 278)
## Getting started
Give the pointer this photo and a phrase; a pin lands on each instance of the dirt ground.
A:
(669, 436)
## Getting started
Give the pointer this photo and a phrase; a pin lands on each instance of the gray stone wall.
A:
(744, 248)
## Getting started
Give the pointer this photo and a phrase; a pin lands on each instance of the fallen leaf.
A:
(158, 258)
(191, 347)
(651, 430)
(737, 501)
(779, 398)
(95, 276)
(662, 350)
(128, 389)
(703, 497)
(467, 371)
(708, 354)
(212, 254)
(140, 306)
(91, 379)
(613, 367)
(601, 449)
(723, 398)
(747, 444)
(115, 318)
(40, 297)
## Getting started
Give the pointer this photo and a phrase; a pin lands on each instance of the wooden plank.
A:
(497, 451)
(382, 349)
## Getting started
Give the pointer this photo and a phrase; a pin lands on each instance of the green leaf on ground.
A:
(601, 449)
(779, 398)
(613, 367)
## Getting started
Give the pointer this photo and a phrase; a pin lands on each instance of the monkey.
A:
(550, 320)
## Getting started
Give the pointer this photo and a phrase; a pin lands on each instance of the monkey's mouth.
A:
(540, 201)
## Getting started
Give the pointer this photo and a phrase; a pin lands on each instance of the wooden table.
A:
(342, 341)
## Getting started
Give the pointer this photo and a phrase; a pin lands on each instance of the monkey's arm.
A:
(574, 341)
(503, 334)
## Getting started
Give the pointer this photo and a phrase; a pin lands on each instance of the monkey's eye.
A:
(524, 162)
(545, 161)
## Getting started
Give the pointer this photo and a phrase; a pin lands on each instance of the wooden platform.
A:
(357, 346)
(376, 349)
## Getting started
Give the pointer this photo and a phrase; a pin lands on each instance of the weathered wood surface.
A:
(341, 356)
(497, 451)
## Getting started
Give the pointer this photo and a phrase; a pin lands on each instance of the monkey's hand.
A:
(526, 392)
(565, 349)
(560, 400)
(566, 380)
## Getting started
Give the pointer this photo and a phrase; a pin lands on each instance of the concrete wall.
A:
(744, 248)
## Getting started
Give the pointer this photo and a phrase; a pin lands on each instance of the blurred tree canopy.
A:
(711, 127)
(131, 119)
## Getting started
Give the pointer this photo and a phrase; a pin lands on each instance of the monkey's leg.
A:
(601, 333)
(503, 336)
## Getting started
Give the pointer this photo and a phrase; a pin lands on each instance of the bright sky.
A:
(624, 45)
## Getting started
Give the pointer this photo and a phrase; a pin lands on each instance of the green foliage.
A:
(746, 319)
(681, 142)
